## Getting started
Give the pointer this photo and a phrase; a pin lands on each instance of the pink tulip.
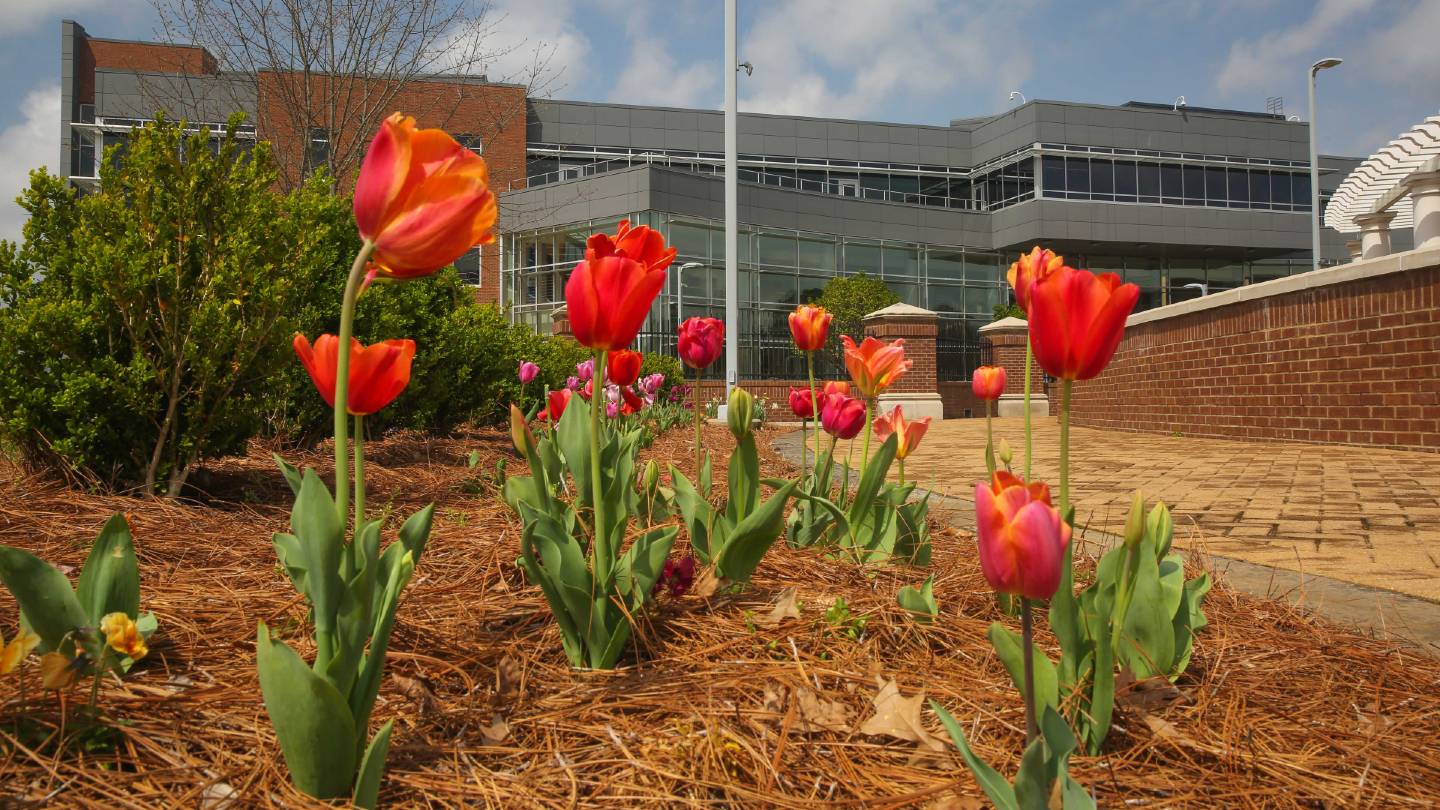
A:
(1021, 536)
(528, 372)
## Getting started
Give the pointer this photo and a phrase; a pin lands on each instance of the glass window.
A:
(1183, 272)
(1280, 189)
(1077, 177)
(983, 300)
(572, 248)
(1239, 188)
(695, 282)
(1194, 179)
(946, 265)
(1102, 179)
(1221, 275)
(777, 288)
(901, 261)
(817, 254)
(1171, 192)
(1300, 191)
(812, 287)
(1268, 271)
(984, 267)
(1259, 188)
(1125, 188)
(861, 257)
(909, 292)
(468, 266)
(690, 239)
(1052, 169)
(904, 183)
(1145, 274)
(946, 298)
(1215, 185)
(1149, 182)
(776, 249)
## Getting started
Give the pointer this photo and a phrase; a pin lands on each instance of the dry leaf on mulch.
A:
(899, 717)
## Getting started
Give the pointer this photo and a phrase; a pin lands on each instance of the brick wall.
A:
(143, 57)
(1344, 355)
(919, 335)
(960, 400)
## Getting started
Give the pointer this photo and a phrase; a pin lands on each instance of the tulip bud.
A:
(1135, 522)
(520, 432)
(740, 411)
(1005, 453)
(651, 478)
(1161, 528)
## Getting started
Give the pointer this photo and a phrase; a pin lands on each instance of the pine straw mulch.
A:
(719, 709)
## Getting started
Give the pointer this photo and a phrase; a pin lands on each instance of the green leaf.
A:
(1008, 649)
(311, 720)
(315, 525)
(1148, 645)
(754, 535)
(1032, 781)
(292, 474)
(1065, 619)
(415, 532)
(642, 563)
(367, 685)
(1102, 699)
(48, 605)
(875, 471)
(920, 601)
(990, 780)
(110, 579)
(372, 767)
(697, 513)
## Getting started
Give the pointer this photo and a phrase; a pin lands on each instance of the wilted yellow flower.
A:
(13, 653)
(57, 671)
(122, 635)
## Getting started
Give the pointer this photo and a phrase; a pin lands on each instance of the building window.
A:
(317, 153)
(469, 267)
(472, 142)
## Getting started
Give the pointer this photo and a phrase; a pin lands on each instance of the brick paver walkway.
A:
(1357, 514)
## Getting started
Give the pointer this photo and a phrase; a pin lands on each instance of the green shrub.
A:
(143, 324)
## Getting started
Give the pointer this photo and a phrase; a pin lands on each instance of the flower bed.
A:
(1276, 708)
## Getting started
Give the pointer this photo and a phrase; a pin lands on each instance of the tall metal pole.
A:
(1315, 166)
(732, 266)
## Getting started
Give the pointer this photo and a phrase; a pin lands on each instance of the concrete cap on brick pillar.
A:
(1009, 337)
(560, 321)
(917, 391)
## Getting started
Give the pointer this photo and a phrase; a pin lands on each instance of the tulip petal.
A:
(1034, 536)
(430, 233)
(382, 175)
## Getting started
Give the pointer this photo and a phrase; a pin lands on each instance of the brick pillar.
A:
(560, 322)
(917, 391)
(1008, 337)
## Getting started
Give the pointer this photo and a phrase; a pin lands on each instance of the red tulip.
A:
(555, 405)
(378, 373)
(624, 366)
(422, 198)
(988, 382)
(842, 416)
(910, 433)
(630, 402)
(875, 364)
(1032, 267)
(809, 326)
(701, 341)
(1076, 321)
(610, 292)
(801, 404)
(1021, 536)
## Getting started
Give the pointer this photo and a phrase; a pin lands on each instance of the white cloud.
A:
(533, 42)
(848, 59)
(32, 142)
(1255, 64)
(652, 76)
(1405, 52)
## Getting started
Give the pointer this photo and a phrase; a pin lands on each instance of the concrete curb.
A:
(1385, 613)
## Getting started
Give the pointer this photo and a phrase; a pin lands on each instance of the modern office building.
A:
(1180, 200)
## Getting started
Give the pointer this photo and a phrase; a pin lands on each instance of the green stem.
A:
(865, 451)
(902, 472)
(989, 442)
(600, 545)
(359, 470)
(849, 460)
(699, 372)
(342, 380)
(1064, 447)
(99, 673)
(1027, 636)
(1029, 451)
(814, 401)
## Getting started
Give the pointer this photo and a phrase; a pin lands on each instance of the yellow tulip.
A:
(56, 671)
(122, 636)
(13, 653)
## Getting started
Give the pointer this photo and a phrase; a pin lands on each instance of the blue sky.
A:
(921, 61)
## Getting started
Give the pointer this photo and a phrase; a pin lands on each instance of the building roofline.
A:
(664, 108)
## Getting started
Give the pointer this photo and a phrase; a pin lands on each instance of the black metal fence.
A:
(956, 358)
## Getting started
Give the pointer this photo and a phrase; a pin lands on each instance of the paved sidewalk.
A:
(1356, 514)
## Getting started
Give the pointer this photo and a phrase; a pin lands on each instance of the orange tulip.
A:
(988, 382)
(809, 326)
(422, 198)
(624, 367)
(874, 364)
(1076, 321)
(610, 292)
(123, 636)
(910, 433)
(1032, 267)
(378, 373)
(1021, 537)
(835, 387)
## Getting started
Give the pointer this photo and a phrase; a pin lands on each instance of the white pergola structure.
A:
(1397, 187)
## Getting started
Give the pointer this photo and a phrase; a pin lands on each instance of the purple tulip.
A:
(528, 372)
(573, 383)
(585, 370)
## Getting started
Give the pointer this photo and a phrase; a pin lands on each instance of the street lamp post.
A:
(1329, 62)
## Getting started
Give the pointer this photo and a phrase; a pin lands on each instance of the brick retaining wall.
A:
(1347, 355)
